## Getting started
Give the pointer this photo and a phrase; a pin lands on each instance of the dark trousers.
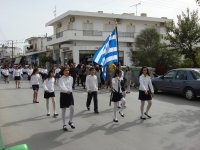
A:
(74, 81)
(89, 98)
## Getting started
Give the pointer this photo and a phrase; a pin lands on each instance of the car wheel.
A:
(189, 94)
(155, 89)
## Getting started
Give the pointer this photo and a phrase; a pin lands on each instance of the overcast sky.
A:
(21, 19)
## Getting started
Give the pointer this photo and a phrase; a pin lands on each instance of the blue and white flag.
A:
(107, 53)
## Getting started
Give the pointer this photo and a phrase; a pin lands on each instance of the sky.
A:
(21, 19)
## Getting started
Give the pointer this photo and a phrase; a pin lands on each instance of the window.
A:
(130, 28)
(109, 27)
(88, 26)
(181, 75)
(170, 75)
(70, 26)
(195, 74)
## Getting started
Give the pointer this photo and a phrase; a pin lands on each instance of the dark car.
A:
(184, 81)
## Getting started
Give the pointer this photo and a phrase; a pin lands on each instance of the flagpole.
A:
(117, 42)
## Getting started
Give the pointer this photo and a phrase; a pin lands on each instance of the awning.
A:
(17, 60)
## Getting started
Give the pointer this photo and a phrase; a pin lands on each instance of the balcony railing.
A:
(92, 33)
(126, 34)
(87, 33)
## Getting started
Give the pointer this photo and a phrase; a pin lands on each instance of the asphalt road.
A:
(175, 124)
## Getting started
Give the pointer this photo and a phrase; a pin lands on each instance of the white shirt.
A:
(35, 79)
(145, 83)
(29, 71)
(17, 72)
(116, 84)
(24, 70)
(91, 83)
(65, 84)
(57, 70)
(45, 71)
(5, 72)
(49, 84)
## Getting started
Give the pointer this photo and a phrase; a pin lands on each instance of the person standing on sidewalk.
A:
(17, 73)
(35, 81)
(66, 97)
(145, 92)
(49, 92)
(92, 88)
(117, 95)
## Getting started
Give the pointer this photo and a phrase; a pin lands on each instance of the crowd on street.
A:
(91, 79)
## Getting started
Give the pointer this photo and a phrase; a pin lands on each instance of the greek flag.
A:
(107, 53)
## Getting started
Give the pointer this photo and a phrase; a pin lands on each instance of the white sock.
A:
(115, 110)
(54, 105)
(47, 106)
(64, 115)
(71, 113)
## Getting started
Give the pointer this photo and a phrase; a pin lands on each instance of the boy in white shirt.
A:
(92, 88)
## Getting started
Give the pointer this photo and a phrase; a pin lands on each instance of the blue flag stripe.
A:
(107, 53)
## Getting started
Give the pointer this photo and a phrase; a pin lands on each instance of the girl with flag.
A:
(117, 95)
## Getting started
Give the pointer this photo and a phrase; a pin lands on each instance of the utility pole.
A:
(136, 5)
(12, 52)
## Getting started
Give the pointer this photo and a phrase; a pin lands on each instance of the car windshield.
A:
(196, 74)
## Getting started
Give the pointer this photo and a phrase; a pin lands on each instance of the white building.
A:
(77, 35)
(7, 53)
(35, 47)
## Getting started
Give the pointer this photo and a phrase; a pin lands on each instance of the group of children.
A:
(65, 82)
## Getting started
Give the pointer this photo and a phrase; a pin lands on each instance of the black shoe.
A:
(115, 120)
(88, 108)
(143, 118)
(48, 114)
(36, 102)
(118, 107)
(71, 125)
(147, 115)
(55, 115)
(65, 128)
(96, 112)
(121, 113)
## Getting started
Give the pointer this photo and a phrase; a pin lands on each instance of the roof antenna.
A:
(54, 12)
(136, 5)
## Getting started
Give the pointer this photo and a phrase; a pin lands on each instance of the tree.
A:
(185, 36)
(169, 59)
(147, 44)
(43, 59)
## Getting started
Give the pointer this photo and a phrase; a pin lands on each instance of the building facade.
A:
(35, 47)
(77, 35)
(10, 54)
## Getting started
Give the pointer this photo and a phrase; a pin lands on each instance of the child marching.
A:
(49, 92)
(66, 97)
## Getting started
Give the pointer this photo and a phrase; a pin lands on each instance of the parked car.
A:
(184, 81)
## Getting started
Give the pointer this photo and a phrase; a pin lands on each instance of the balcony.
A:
(92, 33)
(87, 35)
